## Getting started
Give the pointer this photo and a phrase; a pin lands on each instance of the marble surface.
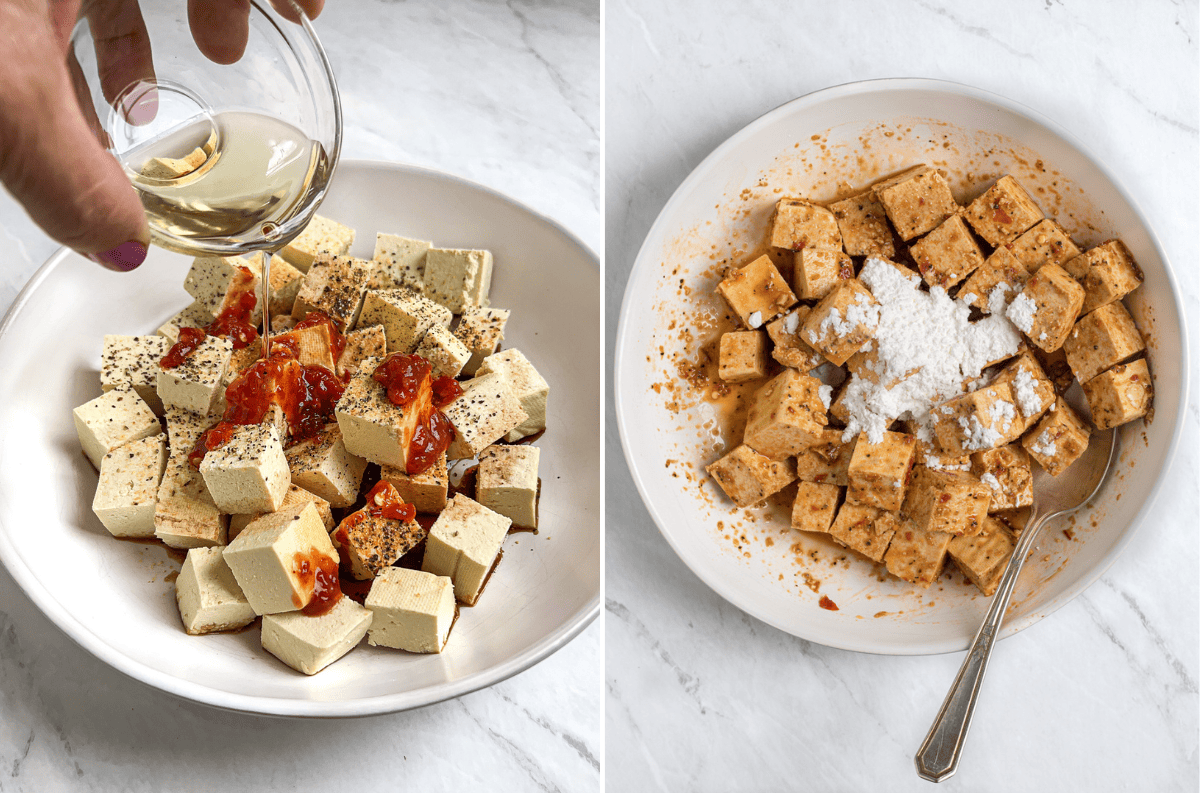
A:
(507, 95)
(1100, 696)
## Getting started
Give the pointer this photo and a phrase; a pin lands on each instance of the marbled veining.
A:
(1102, 695)
(504, 94)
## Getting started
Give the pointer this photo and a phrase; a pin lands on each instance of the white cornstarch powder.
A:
(1025, 389)
(826, 394)
(790, 323)
(1002, 414)
(1021, 312)
(1044, 445)
(977, 437)
(755, 320)
(860, 312)
(926, 348)
(991, 481)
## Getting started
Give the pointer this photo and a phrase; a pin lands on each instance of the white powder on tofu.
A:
(1002, 414)
(826, 394)
(755, 320)
(790, 323)
(977, 437)
(991, 481)
(926, 347)
(1025, 389)
(1020, 312)
(1044, 445)
(861, 312)
(936, 464)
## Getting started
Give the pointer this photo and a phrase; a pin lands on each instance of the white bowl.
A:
(857, 133)
(111, 596)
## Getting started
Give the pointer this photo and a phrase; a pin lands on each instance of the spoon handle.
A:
(937, 759)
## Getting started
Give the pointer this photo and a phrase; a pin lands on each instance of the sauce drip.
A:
(410, 383)
(189, 340)
(827, 604)
(318, 573)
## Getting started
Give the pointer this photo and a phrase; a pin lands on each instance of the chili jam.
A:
(318, 573)
(410, 383)
(189, 340)
(233, 322)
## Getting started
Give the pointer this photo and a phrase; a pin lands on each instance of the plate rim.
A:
(888, 85)
(84, 637)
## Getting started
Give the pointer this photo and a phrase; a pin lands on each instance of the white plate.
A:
(722, 210)
(111, 596)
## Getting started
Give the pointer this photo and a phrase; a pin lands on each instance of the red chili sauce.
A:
(233, 321)
(409, 382)
(318, 573)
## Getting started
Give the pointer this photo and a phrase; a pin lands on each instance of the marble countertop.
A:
(504, 94)
(1100, 696)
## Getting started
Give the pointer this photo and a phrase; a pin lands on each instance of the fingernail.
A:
(123, 258)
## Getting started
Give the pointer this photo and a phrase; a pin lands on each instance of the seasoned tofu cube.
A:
(1120, 395)
(295, 500)
(208, 595)
(480, 330)
(1032, 390)
(128, 486)
(508, 483)
(426, 491)
(184, 428)
(334, 285)
(1107, 273)
(1047, 307)
(879, 472)
(321, 236)
(309, 644)
(946, 501)
(743, 356)
(842, 322)
(323, 466)
(401, 261)
(174, 168)
(789, 348)
(374, 428)
(827, 461)
(113, 419)
(1014, 520)
(757, 293)
(367, 542)
(916, 200)
(947, 254)
(1001, 269)
(286, 281)
(839, 411)
(405, 316)
(1101, 340)
(982, 419)
(445, 353)
(786, 415)
(866, 530)
(915, 555)
(815, 506)
(799, 224)
(1007, 472)
(863, 223)
(748, 477)
(194, 316)
(280, 559)
(249, 473)
(464, 545)
(1045, 243)
(185, 515)
(984, 557)
(133, 361)
(212, 279)
(1003, 213)
(313, 343)
(193, 384)
(817, 271)
(413, 610)
(1058, 439)
(361, 344)
(458, 279)
(488, 410)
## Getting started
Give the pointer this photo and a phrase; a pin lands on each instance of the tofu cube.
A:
(1014, 520)
(458, 279)
(743, 356)
(309, 644)
(879, 472)
(1003, 213)
(413, 610)
(508, 483)
(1107, 273)
(1007, 472)
(313, 343)
(916, 201)
(842, 322)
(445, 353)
(1058, 439)
(982, 419)
(748, 477)
(915, 555)
(757, 293)
(208, 595)
(480, 330)
(321, 236)
(323, 466)
(1120, 395)
(185, 515)
(295, 500)
(827, 461)
(1001, 269)
(947, 254)
(488, 410)
(133, 361)
(464, 545)
(866, 530)
(1045, 243)
(281, 557)
(368, 543)
(173, 168)
(1101, 340)
(817, 271)
(128, 488)
(799, 224)
(790, 349)
(374, 428)
(249, 473)
(1032, 390)
(113, 419)
(815, 506)
(1047, 307)
(862, 222)
(361, 344)
(194, 316)
(334, 285)
(211, 279)
(426, 491)
(401, 261)
(193, 385)
(946, 501)
(984, 557)
(787, 415)
(405, 316)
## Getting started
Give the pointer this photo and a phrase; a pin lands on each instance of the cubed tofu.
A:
(413, 610)
(185, 427)
(133, 361)
(368, 543)
(817, 271)
(445, 353)
(1058, 439)
(185, 515)
(982, 419)
(335, 286)
(113, 419)
(488, 410)
(174, 168)
(862, 222)
(361, 344)
(401, 261)
(249, 473)
(458, 279)
(742, 356)
(1007, 472)
(1107, 273)
(480, 330)
(208, 595)
(879, 472)
(1001, 269)
(815, 506)
(946, 501)
(757, 293)
(1045, 243)
(787, 415)
(748, 477)
(1101, 340)
(1047, 307)
(1033, 392)
(313, 343)
(984, 557)
(309, 644)
(839, 411)
(405, 316)
(1120, 395)
(1003, 213)
(842, 322)
(799, 224)
(280, 558)
(194, 316)
(212, 279)
(790, 349)
(1015, 520)
(321, 236)
(295, 500)
(464, 545)
(827, 461)
(916, 200)
(285, 281)
(374, 428)
(128, 487)
(866, 530)
(915, 555)
(323, 466)
(947, 254)
(508, 483)
(193, 384)
(426, 491)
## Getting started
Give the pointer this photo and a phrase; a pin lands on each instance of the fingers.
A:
(220, 28)
(123, 55)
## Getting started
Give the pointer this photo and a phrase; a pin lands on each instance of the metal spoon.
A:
(937, 759)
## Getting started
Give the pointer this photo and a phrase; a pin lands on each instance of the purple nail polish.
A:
(123, 258)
